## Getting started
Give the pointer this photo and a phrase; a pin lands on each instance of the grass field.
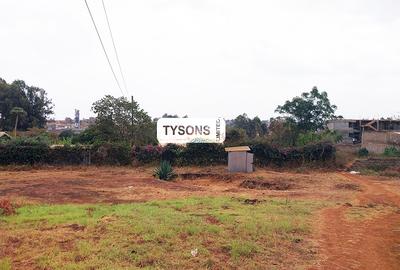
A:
(228, 232)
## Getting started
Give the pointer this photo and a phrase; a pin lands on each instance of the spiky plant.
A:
(165, 171)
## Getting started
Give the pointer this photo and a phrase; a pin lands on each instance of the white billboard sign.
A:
(190, 130)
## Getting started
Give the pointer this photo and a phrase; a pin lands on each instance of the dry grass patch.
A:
(222, 232)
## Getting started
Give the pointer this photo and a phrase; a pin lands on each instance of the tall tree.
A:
(31, 99)
(309, 111)
(115, 117)
(253, 127)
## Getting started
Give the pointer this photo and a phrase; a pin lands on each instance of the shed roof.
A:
(237, 149)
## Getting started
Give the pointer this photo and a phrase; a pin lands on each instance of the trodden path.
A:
(368, 243)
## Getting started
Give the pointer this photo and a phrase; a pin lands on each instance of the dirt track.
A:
(372, 242)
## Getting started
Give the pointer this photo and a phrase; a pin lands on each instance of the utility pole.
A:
(132, 140)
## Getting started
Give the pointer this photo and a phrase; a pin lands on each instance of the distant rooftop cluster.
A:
(75, 124)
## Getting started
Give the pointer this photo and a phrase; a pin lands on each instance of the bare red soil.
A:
(372, 243)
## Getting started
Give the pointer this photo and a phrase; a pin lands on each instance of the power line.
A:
(115, 48)
(104, 49)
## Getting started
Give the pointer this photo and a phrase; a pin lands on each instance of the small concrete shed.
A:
(239, 159)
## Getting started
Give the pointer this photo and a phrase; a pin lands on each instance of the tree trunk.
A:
(15, 128)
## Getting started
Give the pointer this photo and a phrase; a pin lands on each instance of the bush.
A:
(111, 154)
(203, 154)
(23, 154)
(68, 133)
(265, 154)
(363, 152)
(68, 155)
(147, 154)
(165, 171)
(312, 137)
(101, 154)
(171, 153)
(391, 152)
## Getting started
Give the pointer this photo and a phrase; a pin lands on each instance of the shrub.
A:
(111, 154)
(318, 152)
(363, 152)
(68, 155)
(147, 154)
(6, 208)
(165, 171)
(23, 154)
(391, 152)
(203, 154)
(312, 137)
(265, 154)
(68, 133)
(171, 153)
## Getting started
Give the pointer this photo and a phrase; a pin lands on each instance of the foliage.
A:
(147, 154)
(305, 138)
(65, 141)
(68, 133)
(266, 154)
(165, 171)
(253, 127)
(203, 154)
(171, 153)
(120, 120)
(33, 152)
(90, 135)
(68, 155)
(235, 136)
(391, 152)
(309, 111)
(31, 99)
(283, 132)
(111, 154)
(363, 152)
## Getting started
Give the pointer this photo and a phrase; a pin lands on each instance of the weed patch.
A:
(6, 208)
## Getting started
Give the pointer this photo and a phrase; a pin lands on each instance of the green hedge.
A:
(105, 154)
(202, 154)
(192, 154)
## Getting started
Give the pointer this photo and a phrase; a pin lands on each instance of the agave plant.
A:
(165, 171)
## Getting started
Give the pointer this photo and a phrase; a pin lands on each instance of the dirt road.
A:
(372, 242)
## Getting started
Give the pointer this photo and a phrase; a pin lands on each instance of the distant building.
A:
(76, 124)
(375, 135)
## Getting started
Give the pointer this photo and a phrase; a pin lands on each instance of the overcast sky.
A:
(208, 58)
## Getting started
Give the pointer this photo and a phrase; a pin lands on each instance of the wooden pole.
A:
(132, 141)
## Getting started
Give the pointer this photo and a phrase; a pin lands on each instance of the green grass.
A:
(160, 234)
(360, 213)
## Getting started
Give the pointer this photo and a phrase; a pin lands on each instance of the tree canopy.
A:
(253, 127)
(309, 111)
(31, 99)
(119, 120)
